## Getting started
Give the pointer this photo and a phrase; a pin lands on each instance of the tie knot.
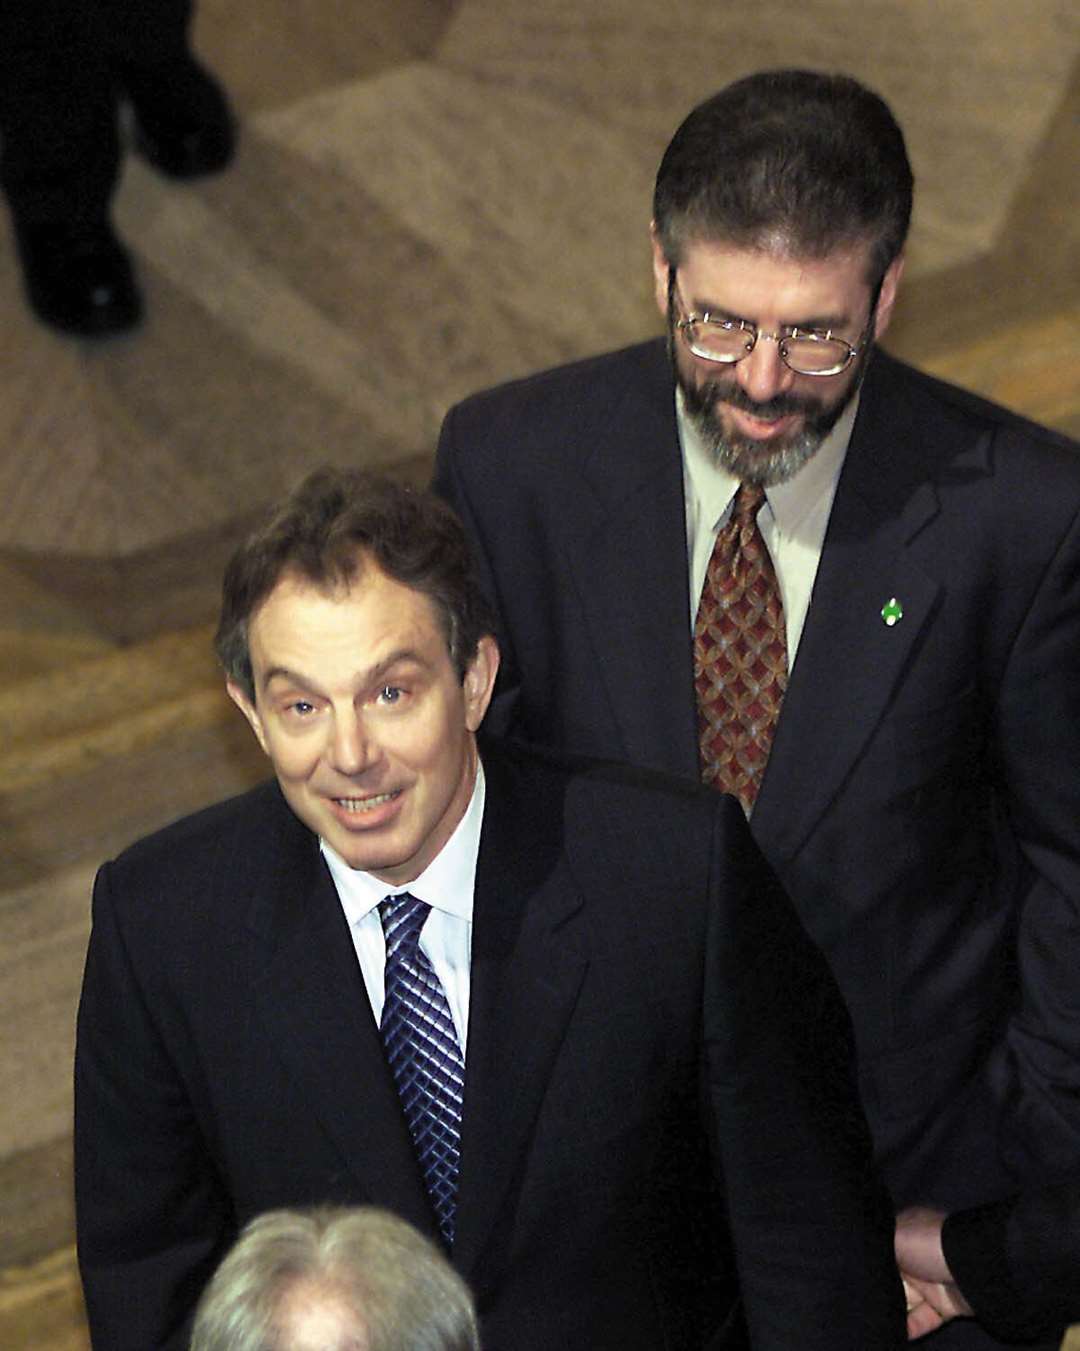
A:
(748, 502)
(402, 918)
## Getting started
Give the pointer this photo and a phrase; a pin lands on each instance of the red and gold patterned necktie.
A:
(740, 654)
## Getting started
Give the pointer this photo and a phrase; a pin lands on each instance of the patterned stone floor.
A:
(430, 196)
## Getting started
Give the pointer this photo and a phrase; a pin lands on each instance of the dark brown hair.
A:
(791, 160)
(326, 531)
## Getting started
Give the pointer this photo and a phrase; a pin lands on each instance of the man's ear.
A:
(887, 295)
(239, 697)
(661, 268)
(479, 682)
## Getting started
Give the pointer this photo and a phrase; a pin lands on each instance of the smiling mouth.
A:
(761, 426)
(359, 805)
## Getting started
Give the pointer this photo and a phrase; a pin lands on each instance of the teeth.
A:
(364, 804)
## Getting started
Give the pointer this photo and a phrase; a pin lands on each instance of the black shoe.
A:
(183, 124)
(78, 277)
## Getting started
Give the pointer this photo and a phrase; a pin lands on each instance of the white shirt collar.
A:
(447, 882)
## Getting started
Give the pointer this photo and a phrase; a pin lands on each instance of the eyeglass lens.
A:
(806, 355)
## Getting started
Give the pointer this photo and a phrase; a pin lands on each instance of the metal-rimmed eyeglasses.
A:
(726, 340)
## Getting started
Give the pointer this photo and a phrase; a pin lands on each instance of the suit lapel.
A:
(632, 574)
(850, 660)
(528, 961)
(312, 1000)
(631, 569)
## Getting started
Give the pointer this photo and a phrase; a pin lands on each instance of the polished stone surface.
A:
(429, 197)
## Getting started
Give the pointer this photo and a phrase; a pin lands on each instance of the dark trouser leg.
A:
(147, 32)
(183, 123)
(59, 146)
(64, 66)
(59, 151)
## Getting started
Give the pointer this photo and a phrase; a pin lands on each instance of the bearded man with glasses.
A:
(767, 555)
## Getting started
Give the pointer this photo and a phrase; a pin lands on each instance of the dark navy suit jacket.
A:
(1018, 1261)
(922, 800)
(656, 1053)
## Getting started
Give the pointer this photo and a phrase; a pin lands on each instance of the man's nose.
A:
(352, 748)
(762, 373)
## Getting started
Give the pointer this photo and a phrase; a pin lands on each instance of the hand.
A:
(933, 1297)
(931, 1303)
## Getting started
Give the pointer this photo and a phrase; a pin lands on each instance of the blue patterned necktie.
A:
(422, 1049)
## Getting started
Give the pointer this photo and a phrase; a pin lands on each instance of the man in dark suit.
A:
(771, 556)
(1016, 1262)
(614, 1075)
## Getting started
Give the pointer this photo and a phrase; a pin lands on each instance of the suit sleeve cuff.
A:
(976, 1247)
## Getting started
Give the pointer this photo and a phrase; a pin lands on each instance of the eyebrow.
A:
(824, 321)
(366, 678)
(818, 321)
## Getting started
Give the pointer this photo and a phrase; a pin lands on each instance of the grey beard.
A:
(747, 461)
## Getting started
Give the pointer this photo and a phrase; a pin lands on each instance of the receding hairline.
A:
(775, 243)
(341, 588)
(336, 522)
(746, 161)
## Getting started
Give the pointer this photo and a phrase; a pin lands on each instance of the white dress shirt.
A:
(792, 520)
(446, 884)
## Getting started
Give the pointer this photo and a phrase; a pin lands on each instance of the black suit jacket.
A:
(922, 801)
(653, 1043)
(1018, 1261)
